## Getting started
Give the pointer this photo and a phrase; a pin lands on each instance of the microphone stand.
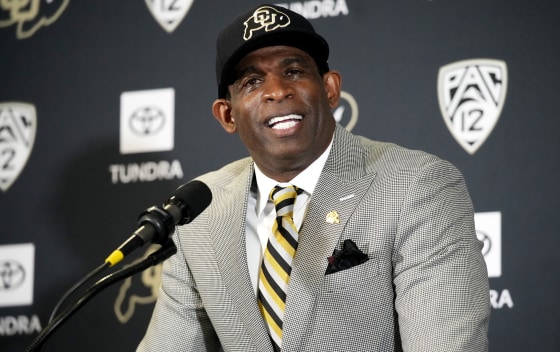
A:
(75, 287)
(167, 250)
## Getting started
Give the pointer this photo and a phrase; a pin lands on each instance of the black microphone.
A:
(156, 224)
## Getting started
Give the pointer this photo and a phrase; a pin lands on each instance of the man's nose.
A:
(276, 89)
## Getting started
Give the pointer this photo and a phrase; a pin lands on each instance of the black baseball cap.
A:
(262, 26)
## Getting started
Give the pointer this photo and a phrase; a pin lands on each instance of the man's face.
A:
(281, 107)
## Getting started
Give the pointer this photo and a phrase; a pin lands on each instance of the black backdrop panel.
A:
(77, 197)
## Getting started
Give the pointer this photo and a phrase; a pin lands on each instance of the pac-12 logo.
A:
(169, 13)
(471, 96)
(18, 125)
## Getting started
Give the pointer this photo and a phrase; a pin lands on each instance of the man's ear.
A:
(221, 109)
(333, 81)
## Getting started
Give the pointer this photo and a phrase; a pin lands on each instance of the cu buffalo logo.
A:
(346, 113)
(138, 290)
(267, 18)
(28, 16)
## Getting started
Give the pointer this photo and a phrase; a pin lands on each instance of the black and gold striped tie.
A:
(277, 262)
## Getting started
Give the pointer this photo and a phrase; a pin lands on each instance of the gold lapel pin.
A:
(332, 218)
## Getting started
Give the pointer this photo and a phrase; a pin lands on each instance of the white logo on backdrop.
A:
(17, 265)
(347, 111)
(489, 231)
(147, 121)
(148, 171)
(318, 8)
(471, 96)
(11, 325)
(18, 126)
(169, 13)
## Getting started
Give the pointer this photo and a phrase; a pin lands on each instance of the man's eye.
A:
(251, 82)
(293, 71)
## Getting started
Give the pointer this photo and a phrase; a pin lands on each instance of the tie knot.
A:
(284, 199)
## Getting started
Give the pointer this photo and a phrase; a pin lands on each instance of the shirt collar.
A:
(306, 180)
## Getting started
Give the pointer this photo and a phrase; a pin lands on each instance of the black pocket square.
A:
(349, 256)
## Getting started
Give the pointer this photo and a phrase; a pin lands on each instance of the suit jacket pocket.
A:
(352, 278)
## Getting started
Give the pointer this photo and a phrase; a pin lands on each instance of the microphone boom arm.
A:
(167, 250)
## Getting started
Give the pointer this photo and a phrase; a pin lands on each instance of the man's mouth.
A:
(284, 122)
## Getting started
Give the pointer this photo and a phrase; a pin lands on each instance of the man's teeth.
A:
(284, 122)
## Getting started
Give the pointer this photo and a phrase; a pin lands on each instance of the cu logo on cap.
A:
(265, 17)
(12, 275)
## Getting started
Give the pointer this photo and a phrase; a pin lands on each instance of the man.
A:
(386, 257)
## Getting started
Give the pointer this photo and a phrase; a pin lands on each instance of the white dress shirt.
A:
(261, 213)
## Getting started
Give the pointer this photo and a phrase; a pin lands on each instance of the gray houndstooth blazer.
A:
(424, 287)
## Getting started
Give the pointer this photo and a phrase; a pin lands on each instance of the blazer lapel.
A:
(341, 186)
(227, 229)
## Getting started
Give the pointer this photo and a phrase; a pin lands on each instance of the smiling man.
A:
(280, 105)
(320, 240)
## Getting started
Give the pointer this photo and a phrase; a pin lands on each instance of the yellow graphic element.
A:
(332, 218)
(126, 301)
(28, 16)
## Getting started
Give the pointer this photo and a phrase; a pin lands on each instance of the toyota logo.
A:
(485, 239)
(147, 120)
(12, 275)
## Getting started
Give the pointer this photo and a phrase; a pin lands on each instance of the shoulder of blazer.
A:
(375, 156)
(234, 172)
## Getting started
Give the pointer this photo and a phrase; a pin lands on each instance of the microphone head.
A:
(191, 199)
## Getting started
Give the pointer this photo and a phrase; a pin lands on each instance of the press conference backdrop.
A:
(105, 110)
